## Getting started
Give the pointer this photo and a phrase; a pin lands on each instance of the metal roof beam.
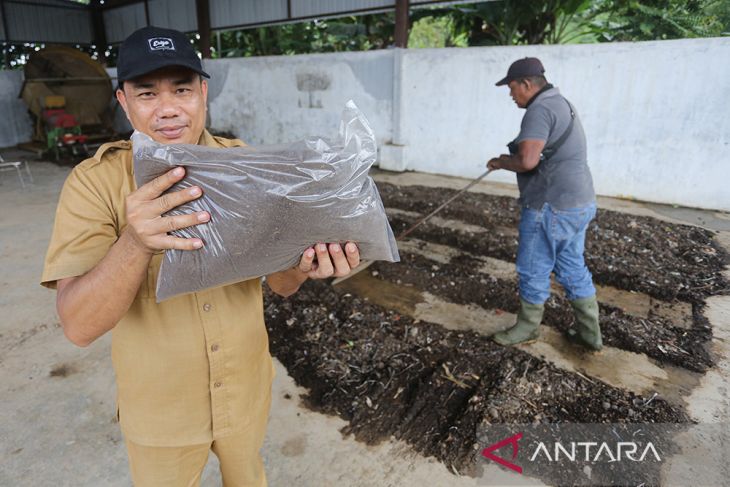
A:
(118, 3)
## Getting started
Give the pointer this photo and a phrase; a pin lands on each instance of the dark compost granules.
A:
(269, 203)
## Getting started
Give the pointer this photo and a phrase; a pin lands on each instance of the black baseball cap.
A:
(151, 48)
(529, 66)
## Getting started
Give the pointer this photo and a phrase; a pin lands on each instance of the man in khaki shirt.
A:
(194, 372)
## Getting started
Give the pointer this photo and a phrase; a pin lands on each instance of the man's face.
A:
(168, 105)
(520, 92)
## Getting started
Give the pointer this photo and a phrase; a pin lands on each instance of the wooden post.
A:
(401, 23)
(202, 8)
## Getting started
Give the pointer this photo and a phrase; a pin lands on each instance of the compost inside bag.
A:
(269, 203)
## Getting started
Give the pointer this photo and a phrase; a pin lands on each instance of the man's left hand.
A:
(332, 260)
(317, 262)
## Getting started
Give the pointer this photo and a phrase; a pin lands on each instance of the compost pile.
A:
(392, 376)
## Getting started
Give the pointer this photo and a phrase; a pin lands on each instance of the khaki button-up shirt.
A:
(189, 370)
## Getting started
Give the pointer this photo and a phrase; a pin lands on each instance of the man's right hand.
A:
(145, 207)
(496, 163)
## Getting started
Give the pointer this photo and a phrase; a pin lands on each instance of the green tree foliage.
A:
(510, 22)
(436, 31)
(343, 34)
(498, 22)
(721, 10)
(631, 20)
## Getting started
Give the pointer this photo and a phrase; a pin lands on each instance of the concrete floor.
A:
(58, 429)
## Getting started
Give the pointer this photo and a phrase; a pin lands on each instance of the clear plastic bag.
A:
(269, 203)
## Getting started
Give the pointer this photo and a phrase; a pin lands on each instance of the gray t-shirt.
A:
(563, 181)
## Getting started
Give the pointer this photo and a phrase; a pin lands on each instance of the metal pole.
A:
(202, 8)
(6, 47)
(97, 26)
(146, 13)
(401, 23)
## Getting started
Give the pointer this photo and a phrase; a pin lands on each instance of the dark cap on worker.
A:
(522, 68)
(151, 48)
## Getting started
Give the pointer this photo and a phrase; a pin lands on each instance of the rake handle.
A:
(364, 265)
(458, 193)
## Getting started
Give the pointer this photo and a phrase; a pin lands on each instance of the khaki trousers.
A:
(239, 457)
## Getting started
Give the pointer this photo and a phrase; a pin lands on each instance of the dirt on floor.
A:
(58, 416)
(667, 261)
(392, 376)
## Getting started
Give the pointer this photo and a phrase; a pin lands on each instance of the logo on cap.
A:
(161, 44)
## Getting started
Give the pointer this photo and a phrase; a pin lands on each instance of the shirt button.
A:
(217, 384)
(214, 347)
(206, 307)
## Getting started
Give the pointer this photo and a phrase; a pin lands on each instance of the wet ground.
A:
(57, 413)
(402, 350)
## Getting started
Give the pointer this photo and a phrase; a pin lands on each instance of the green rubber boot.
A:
(587, 330)
(525, 330)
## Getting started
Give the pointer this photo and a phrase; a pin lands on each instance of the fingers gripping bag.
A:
(269, 203)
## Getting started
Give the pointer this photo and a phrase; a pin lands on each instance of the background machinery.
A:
(68, 95)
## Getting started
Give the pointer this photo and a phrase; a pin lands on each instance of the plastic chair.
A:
(17, 166)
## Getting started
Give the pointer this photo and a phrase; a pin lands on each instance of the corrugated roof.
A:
(228, 13)
(59, 21)
(68, 22)
(173, 14)
(313, 8)
(121, 21)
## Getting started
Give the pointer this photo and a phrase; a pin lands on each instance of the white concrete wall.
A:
(655, 113)
(15, 123)
(265, 100)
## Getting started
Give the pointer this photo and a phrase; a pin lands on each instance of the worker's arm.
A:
(332, 261)
(526, 159)
(92, 304)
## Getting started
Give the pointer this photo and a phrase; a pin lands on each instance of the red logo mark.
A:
(487, 452)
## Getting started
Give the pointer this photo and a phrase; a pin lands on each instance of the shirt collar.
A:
(207, 140)
(545, 88)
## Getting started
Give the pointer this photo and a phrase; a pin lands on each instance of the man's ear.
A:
(122, 99)
(204, 90)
